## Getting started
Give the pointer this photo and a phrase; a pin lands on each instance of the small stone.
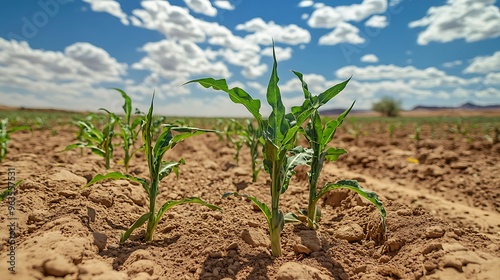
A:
(217, 215)
(384, 259)
(310, 239)
(102, 198)
(301, 249)
(352, 232)
(232, 246)
(253, 224)
(360, 269)
(432, 247)
(255, 238)
(100, 240)
(67, 193)
(434, 232)
(215, 254)
(429, 266)
(59, 267)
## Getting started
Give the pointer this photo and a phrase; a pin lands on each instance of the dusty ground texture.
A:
(443, 214)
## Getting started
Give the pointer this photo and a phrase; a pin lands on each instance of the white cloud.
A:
(304, 16)
(306, 3)
(452, 64)
(240, 58)
(71, 79)
(492, 79)
(254, 71)
(172, 21)
(484, 64)
(343, 33)
(329, 17)
(202, 7)
(263, 32)
(226, 5)
(371, 58)
(377, 22)
(108, 6)
(471, 20)
(281, 53)
(179, 60)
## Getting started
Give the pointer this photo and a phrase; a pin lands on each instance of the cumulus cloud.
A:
(72, 78)
(484, 64)
(471, 20)
(226, 5)
(343, 33)
(371, 58)
(329, 17)
(252, 72)
(108, 6)
(202, 7)
(263, 33)
(306, 3)
(377, 22)
(178, 60)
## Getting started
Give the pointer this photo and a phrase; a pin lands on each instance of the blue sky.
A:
(68, 53)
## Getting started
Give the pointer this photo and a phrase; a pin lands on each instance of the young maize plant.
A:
(100, 142)
(319, 135)
(158, 169)
(252, 134)
(5, 136)
(278, 136)
(129, 129)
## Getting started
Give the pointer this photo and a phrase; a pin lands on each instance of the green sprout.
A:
(100, 142)
(5, 133)
(158, 169)
(278, 136)
(319, 136)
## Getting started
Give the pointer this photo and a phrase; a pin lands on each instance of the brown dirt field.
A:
(443, 214)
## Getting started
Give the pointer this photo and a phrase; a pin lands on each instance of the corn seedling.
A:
(278, 136)
(416, 135)
(11, 188)
(100, 142)
(129, 129)
(319, 136)
(158, 169)
(496, 135)
(390, 128)
(5, 136)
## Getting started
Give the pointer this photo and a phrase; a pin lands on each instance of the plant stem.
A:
(150, 229)
(274, 227)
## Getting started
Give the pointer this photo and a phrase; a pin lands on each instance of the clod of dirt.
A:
(100, 240)
(68, 177)
(101, 197)
(139, 266)
(301, 249)
(297, 271)
(99, 270)
(434, 232)
(351, 232)
(255, 238)
(59, 266)
(309, 238)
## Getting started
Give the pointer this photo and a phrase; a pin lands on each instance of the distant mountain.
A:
(466, 106)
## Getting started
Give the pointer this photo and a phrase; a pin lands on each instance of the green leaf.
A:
(262, 206)
(332, 154)
(137, 224)
(330, 93)
(127, 107)
(276, 127)
(291, 218)
(331, 126)
(300, 156)
(8, 191)
(237, 95)
(167, 167)
(73, 146)
(116, 176)
(305, 88)
(354, 186)
(169, 204)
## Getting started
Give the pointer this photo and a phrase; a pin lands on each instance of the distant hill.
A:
(339, 111)
(466, 106)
